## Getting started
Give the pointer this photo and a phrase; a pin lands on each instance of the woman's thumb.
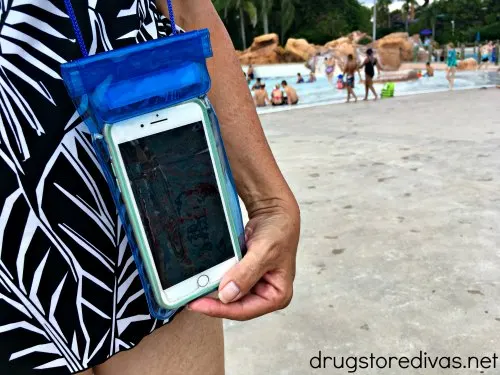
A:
(240, 279)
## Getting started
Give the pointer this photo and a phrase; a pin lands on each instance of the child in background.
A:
(429, 70)
(340, 82)
(312, 77)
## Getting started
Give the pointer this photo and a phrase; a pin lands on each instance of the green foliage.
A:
(383, 31)
(287, 16)
(469, 17)
(384, 13)
(364, 41)
(251, 10)
(489, 32)
(320, 21)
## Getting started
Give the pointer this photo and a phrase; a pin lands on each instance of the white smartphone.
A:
(170, 176)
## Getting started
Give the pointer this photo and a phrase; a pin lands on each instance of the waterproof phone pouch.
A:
(155, 81)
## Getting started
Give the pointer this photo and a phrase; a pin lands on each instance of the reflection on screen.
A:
(174, 185)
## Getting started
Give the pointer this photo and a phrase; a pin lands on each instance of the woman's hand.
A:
(263, 281)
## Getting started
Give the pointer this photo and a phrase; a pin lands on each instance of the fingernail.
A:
(229, 292)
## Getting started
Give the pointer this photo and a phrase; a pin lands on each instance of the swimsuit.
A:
(329, 69)
(370, 67)
(350, 81)
(277, 95)
(452, 59)
(70, 295)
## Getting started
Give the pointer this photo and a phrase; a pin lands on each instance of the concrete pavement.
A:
(400, 247)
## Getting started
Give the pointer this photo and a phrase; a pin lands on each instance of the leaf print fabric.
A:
(70, 296)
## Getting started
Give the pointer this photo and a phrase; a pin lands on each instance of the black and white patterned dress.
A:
(70, 296)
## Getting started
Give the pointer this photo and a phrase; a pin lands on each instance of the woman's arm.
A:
(255, 170)
(273, 230)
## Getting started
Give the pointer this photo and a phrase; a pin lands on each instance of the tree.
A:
(384, 12)
(409, 9)
(287, 16)
(266, 7)
(430, 15)
(242, 7)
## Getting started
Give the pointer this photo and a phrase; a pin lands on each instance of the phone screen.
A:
(175, 188)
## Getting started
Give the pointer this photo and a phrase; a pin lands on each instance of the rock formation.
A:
(399, 76)
(300, 48)
(467, 64)
(392, 50)
(265, 49)
(397, 48)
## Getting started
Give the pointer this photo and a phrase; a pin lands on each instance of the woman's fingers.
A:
(240, 279)
(265, 298)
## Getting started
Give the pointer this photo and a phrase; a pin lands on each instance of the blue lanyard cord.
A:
(171, 15)
(76, 28)
(78, 32)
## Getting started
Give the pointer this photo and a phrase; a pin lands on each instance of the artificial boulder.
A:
(394, 49)
(265, 49)
(389, 58)
(399, 76)
(300, 48)
(356, 36)
(338, 42)
(342, 47)
(265, 41)
(467, 64)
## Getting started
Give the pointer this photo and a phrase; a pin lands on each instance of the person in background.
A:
(250, 73)
(491, 48)
(277, 97)
(442, 57)
(427, 42)
(486, 52)
(291, 95)
(349, 70)
(329, 69)
(260, 97)
(314, 62)
(451, 63)
(340, 82)
(494, 57)
(257, 84)
(300, 79)
(312, 77)
(429, 70)
(370, 64)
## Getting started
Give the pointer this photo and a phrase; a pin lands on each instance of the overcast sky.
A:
(395, 4)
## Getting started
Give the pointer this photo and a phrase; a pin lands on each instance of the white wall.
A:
(278, 70)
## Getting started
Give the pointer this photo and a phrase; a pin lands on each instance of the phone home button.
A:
(203, 280)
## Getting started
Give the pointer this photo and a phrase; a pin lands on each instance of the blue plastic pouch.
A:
(126, 83)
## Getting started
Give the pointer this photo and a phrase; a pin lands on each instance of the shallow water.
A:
(321, 92)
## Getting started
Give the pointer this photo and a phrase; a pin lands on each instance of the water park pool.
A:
(321, 92)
